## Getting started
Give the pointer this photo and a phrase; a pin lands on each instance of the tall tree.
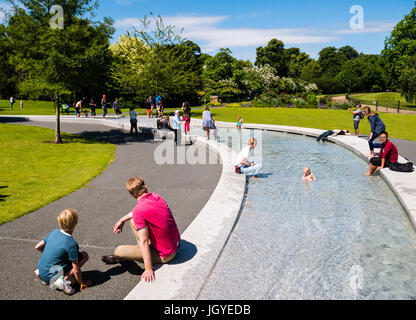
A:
(399, 45)
(274, 55)
(52, 62)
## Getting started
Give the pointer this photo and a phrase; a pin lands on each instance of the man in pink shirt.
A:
(154, 227)
(388, 154)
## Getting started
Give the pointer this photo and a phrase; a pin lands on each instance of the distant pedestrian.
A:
(150, 105)
(116, 108)
(21, 104)
(78, 108)
(186, 108)
(207, 121)
(160, 108)
(377, 127)
(133, 121)
(104, 105)
(92, 106)
(177, 121)
(357, 116)
(11, 102)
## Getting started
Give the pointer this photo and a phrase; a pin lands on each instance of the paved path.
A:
(100, 204)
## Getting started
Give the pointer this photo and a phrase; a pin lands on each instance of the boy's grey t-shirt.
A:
(357, 116)
(60, 250)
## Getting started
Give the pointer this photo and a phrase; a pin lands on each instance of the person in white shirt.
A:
(177, 121)
(133, 121)
(246, 166)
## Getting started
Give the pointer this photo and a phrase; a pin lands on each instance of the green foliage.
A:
(38, 175)
(408, 79)
(155, 59)
(399, 45)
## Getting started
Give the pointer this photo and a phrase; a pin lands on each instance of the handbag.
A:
(401, 167)
(238, 169)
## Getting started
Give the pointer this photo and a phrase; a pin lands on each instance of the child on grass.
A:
(61, 262)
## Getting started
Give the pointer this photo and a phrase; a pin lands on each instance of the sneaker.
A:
(67, 288)
(37, 275)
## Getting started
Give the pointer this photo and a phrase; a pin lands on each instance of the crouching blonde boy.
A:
(61, 262)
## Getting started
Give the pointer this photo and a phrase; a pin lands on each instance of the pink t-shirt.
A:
(152, 211)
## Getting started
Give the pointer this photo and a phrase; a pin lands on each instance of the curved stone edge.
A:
(403, 185)
(203, 240)
(207, 234)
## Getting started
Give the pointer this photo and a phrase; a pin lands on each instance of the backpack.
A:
(362, 116)
(401, 167)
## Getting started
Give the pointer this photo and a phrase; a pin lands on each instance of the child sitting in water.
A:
(308, 175)
(240, 122)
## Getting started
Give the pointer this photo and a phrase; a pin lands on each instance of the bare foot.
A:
(367, 174)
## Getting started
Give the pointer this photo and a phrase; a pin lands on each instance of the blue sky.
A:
(245, 25)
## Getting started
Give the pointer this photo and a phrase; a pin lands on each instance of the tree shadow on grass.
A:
(3, 197)
(12, 119)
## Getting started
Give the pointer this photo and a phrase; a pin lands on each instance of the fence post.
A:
(398, 106)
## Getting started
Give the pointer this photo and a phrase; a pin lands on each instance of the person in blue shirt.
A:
(61, 262)
(377, 127)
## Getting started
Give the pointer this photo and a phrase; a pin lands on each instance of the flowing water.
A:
(345, 236)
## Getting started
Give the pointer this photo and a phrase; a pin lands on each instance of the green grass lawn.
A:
(36, 172)
(44, 108)
(389, 98)
(398, 125)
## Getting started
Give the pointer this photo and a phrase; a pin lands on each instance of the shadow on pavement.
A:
(115, 136)
(186, 252)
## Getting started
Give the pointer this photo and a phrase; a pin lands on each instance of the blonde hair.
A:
(368, 111)
(252, 141)
(136, 186)
(68, 219)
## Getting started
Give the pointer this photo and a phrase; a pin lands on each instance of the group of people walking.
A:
(81, 107)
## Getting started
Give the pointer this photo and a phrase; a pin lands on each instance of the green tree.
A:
(52, 62)
(7, 74)
(407, 79)
(155, 58)
(399, 45)
(330, 61)
(362, 74)
(311, 71)
(274, 55)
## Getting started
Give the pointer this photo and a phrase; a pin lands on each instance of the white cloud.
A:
(205, 31)
(370, 27)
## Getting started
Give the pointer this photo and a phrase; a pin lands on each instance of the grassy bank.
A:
(398, 125)
(36, 172)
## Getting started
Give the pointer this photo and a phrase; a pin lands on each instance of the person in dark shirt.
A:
(387, 155)
(377, 126)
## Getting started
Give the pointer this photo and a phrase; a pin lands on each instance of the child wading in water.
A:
(240, 122)
(308, 175)
(61, 262)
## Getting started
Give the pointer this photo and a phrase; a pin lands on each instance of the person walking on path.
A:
(21, 104)
(246, 166)
(11, 102)
(133, 121)
(154, 227)
(186, 108)
(61, 262)
(104, 105)
(207, 121)
(388, 154)
(92, 106)
(150, 105)
(377, 127)
(177, 121)
(116, 108)
(78, 108)
(357, 116)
